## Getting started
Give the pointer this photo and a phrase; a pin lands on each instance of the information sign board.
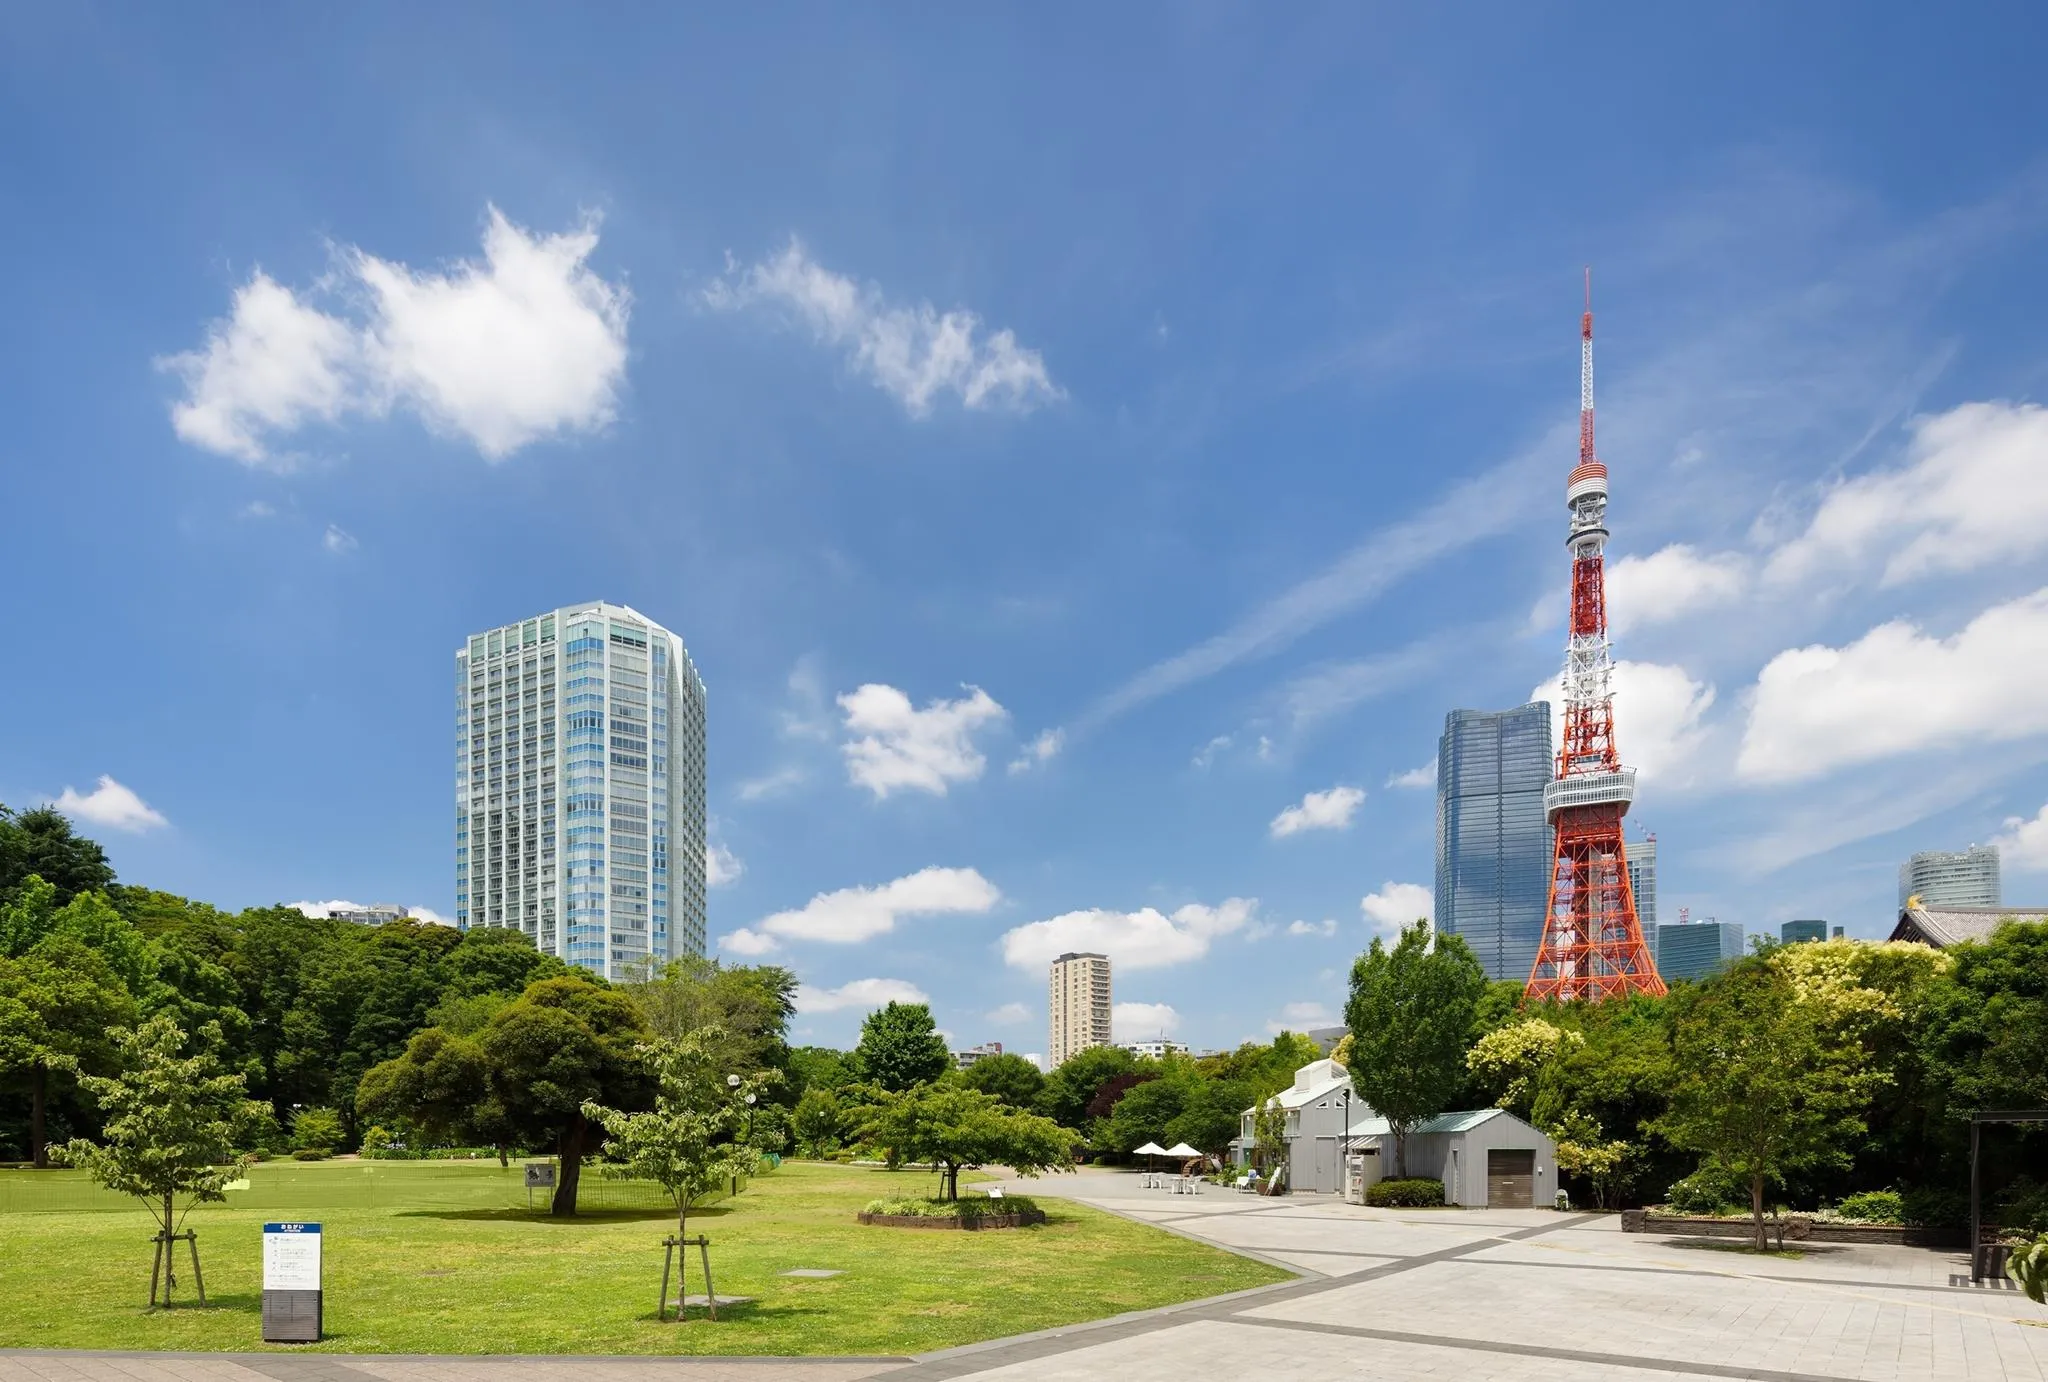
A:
(293, 1303)
(540, 1175)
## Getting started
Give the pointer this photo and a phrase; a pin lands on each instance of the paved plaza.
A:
(1475, 1295)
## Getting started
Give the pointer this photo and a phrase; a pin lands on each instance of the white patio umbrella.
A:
(1181, 1150)
(1149, 1150)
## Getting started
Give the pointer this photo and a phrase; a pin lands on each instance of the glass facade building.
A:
(1493, 842)
(1642, 882)
(1943, 879)
(579, 787)
(1799, 932)
(1696, 949)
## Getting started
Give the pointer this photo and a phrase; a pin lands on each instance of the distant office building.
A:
(375, 914)
(963, 1059)
(1642, 881)
(579, 778)
(1696, 949)
(1326, 1038)
(1155, 1050)
(1942, 879)
(1493, 842)
(1080, 1005)
(1792, 932)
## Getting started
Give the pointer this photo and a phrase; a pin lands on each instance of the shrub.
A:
(2023, 1208)
(1929, 1206)
(978, 1207)
(1874, 1207)
(309, 1154)
(316, 1130)
(1415, 1192)
(1707, 1192)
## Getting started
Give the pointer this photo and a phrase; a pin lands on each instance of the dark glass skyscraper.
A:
(1493, 845)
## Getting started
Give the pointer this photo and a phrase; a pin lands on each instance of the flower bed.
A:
(1011, 1212)
(1795, 1228)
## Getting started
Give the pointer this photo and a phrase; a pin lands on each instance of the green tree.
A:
(1008, 1076)
(59, 1007)
(693, 1141)
(900, 1047)
(566, 1043)
(1411, 1015)
(1145, 1110)
(496, 961)
(170, 1133)
(953, 1129)
(1074, 1083)
(1585, 1151)
(1758, 1090)
(94, 923)
(818, 1067)
(316, 1130)
(26, 915)
(1211, 1116)
(816, 1121)
(1505, 1062)
(41, 842)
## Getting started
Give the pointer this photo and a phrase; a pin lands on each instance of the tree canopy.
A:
(1412, 1015)
(900, 1047)
(955, 1129)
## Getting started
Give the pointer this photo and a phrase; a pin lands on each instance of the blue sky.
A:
(1065, 445)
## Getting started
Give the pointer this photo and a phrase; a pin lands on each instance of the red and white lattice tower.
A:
(1592, 942)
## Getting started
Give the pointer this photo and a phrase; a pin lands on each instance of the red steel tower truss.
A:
(1592, 942)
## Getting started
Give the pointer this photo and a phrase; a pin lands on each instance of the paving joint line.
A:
(1569, 1355)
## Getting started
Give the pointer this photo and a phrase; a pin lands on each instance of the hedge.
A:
(1416, 1192)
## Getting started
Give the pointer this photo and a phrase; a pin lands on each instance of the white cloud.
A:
(1301, 1017)
(1040, 750)
(2023, 844)
(770, 785)
(110, 806)
(320, 911)
(1397, 905)
(1326, 927)
(524, 344)
(1145, 939)
(272, 366)
(1670, 583)
(1329, 810)
(256, 508)
(1206, 754)
(914, 354)
(1143, 1021)
(1897, 690)
(1424, 776)
(1973, 492)
(1659, 718)
(721, 866)
(1009, 1015)
(857, 914)
(900, 746)
(428, 916)
(338, 542)
(806, 716)
(864, 994)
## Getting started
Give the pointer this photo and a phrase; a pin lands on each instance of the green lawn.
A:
(441, 1257)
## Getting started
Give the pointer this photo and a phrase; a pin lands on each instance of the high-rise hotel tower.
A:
(579, 787)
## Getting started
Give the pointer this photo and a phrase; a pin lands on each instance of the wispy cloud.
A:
(1327, 810)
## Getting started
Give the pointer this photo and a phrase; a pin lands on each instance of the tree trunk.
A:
(1400, 1154)
(504, 1157)
(952, 1182)
(1756, 1210)
(570, 1153)
(38, 1099)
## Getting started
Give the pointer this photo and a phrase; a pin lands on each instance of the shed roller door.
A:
(1510, 1179)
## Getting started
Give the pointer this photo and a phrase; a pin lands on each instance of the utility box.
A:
(293, 1302)
(1361, 1169)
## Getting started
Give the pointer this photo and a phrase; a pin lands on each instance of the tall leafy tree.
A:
(695, 1139)
(1412, 1013)
(1074, 1083)
(41, 842)
(171, 1121)
(819, 1067)
(1007, 1076)
(900, 1047)
(59, 1007)
(745, 1010)
(953, 1129)
(1759, 1089)
(566, 1043)
(816, 1121)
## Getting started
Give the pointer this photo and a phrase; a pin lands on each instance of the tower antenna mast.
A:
(1592, 944)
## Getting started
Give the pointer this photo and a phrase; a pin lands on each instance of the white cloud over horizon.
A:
(1008, 1015)
(912, 353)
(1303, 1017)
(2023, 844)
(111, 806)
(1144, 939)
(865, 995)
(850, 915)
(1142, 1021)
(721, 866)
(1326, 927)
(526, 343)
(1424, 776)
(1397, 905)
(1325, 810)
(1897, 690)
(894, 746)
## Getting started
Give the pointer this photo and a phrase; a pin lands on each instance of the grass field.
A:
(443, 1257)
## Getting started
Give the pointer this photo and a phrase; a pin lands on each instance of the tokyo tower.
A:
(1592, 942)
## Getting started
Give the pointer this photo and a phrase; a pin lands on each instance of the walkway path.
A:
(1527, 1295)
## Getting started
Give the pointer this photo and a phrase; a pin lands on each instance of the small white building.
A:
(1486, 1158)
(1157, 1049)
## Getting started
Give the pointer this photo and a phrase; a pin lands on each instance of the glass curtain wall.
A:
(1493, 844)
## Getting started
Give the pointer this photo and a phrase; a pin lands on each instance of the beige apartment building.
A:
(1080, 1005)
